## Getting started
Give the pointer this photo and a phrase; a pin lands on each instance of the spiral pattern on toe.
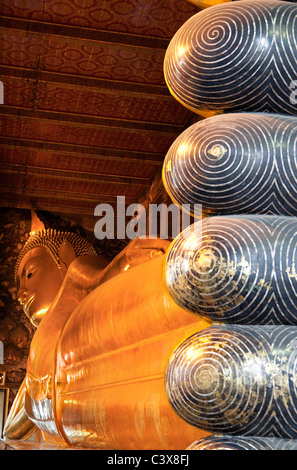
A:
(243, 443)
(238, 163)
(235, 56)
(239, 269)
(237, 380)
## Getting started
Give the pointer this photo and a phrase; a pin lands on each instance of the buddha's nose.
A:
(22, 295)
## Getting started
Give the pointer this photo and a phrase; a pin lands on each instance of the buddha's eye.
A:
(30, 272)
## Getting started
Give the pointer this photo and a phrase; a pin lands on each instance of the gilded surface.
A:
(110, 370)
(207, 3)
(95, 374)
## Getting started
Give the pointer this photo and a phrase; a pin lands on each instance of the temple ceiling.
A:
(87, 115)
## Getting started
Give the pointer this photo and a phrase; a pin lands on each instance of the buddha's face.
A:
(39, 280)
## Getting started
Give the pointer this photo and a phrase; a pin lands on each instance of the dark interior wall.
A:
(16, 331)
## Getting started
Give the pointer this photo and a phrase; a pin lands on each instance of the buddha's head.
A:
(41, 268)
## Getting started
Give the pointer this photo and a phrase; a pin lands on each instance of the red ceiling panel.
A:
(73, 99)
(87, 115)
(80, 187)
(85, 58)
(43, 159)
(160, 18)
(85, 135)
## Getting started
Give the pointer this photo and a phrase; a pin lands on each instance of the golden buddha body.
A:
(95, 373)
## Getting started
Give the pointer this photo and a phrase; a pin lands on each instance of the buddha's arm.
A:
(18, 425)
(88, 272)
(138, 251)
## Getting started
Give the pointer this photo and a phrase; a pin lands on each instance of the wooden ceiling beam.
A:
(81, 176)
(86, 34)
(87, 151)
(29, 193)
(97, 121)
(84, 81)
(55, 207)
(55, 201)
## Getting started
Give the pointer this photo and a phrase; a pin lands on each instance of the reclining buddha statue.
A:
(125, 355)
(95, 372)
